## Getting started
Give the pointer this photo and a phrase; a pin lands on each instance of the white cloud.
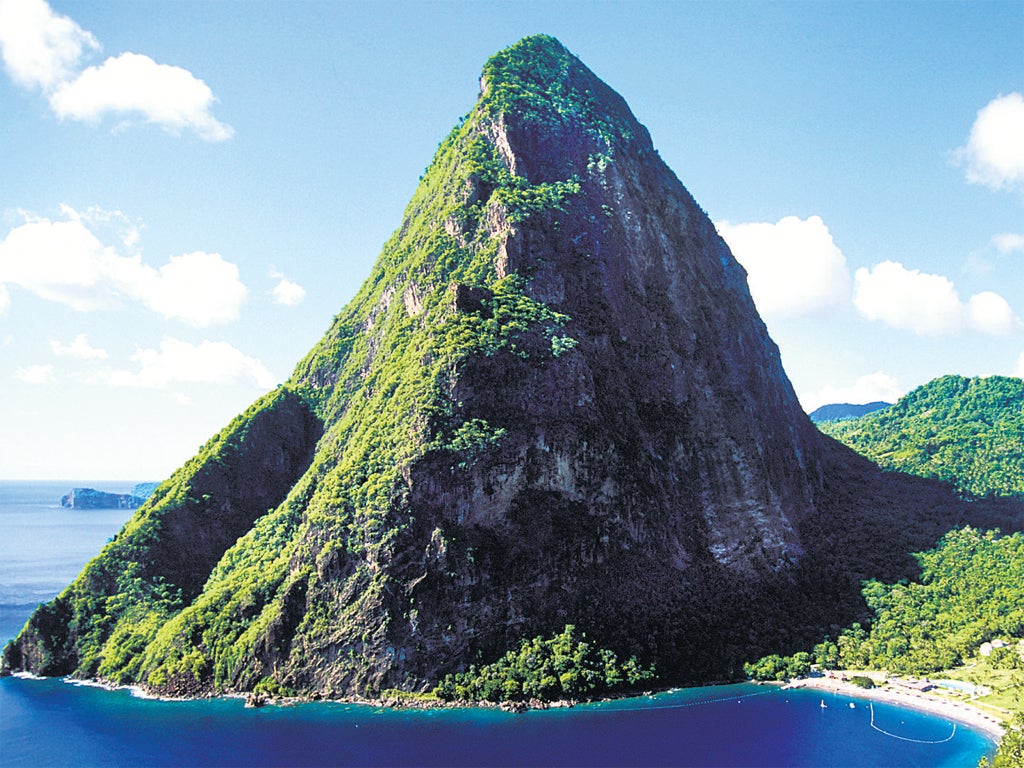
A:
(101, 220)
(994, 153)
(178, 362)
(867, 389)
(927, 304)
(990, 313)
(1008, 242)
(5, 299)
(168, 96)
(40, 48)
(35, 374)
(198, 288)
(59, 261)
(794, 267)
(79, 348)
(286, 292)
(65, 262)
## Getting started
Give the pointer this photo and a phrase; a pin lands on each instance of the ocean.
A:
(58, 723)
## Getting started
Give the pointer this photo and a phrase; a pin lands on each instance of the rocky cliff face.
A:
(552, 402)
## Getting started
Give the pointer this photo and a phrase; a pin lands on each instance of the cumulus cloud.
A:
(1008, 242)
(65, 262)
(994, 153)
(60, 261)
(928, 304)
(78, 348)
(131, 83)
(5, 299)
(988, 312)
(794, 267)
(35, 374)
(179, 362)
(866, 389)
(198, 288)
(287, 292)
(42, 49)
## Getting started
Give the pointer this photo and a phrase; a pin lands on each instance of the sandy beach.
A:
(959, 711)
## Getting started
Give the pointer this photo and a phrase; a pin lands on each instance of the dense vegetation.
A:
(971, 591)
(968, 432)
(565, 666)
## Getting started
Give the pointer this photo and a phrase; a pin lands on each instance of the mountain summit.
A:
(552, 403)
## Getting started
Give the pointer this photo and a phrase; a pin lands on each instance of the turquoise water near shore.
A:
(55, 723)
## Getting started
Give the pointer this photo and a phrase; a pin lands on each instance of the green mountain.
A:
(551, 418)
(968, 432)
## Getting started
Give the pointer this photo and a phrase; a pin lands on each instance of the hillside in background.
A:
(968, 432)
(839, 411)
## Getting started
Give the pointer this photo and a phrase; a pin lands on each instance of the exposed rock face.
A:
(552, 402)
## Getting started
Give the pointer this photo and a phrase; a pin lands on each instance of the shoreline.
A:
(961, 712)
(958, 711)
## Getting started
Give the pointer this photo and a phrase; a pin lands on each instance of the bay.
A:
(56, 723)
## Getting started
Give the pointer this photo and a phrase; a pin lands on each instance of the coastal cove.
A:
(46, 721)
(56, 722)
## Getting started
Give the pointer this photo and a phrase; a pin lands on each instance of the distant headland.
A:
(90, 498)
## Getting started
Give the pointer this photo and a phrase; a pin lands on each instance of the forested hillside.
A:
(969, 592)
(968, 432)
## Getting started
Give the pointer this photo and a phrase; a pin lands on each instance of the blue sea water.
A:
(53, 722)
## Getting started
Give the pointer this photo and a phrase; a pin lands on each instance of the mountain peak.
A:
(552, 403)
(538, 82)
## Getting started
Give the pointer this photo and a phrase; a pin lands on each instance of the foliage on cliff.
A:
(969, 432)
(160, 560)
(565, 666)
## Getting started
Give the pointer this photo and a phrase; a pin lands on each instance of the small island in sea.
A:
(90, 498)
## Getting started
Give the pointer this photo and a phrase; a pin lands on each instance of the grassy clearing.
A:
(1007, 685)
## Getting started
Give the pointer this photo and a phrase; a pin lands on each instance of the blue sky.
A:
(191, 190)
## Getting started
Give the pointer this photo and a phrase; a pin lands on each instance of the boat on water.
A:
(823, 704)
